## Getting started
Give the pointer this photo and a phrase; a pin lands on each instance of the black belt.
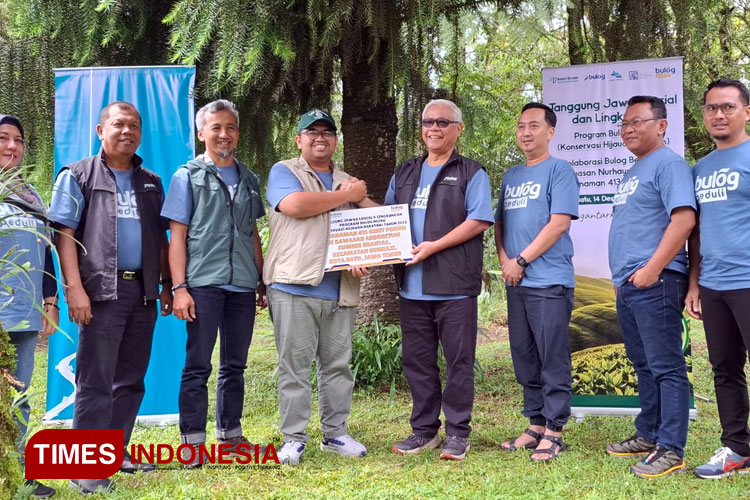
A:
(130, 275)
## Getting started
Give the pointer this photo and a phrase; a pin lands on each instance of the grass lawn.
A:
(582, 472)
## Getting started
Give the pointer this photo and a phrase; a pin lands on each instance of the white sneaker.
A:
(344, 445)
(290, 452)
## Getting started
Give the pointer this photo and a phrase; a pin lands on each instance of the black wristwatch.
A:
(521, 261)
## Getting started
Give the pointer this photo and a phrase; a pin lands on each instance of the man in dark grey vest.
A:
(110, 204)
(216, 257)
(450, 206)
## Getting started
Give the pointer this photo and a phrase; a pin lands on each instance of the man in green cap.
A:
(313, 312)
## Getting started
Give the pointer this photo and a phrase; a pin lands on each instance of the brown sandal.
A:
(529, 446)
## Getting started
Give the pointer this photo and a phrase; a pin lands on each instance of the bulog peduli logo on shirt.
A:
(716, 187)
(126, 205)
(624, 190)
(519, 196)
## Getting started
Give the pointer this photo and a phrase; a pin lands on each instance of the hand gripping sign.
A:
(377, 236)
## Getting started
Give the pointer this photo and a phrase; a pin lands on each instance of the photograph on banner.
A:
(376, 236)
(590, 101)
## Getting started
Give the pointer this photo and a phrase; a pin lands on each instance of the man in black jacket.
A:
(111, 204)
(450, 207)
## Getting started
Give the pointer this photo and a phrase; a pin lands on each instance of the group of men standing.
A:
(213, 274)
(654, 214)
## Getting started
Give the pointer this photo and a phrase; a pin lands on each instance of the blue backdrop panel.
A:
(164, 97)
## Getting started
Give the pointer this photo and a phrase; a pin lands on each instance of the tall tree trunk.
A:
(369, 125)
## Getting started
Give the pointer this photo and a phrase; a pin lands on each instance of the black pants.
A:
(113, 354)
(538, 329)
(726, 319)
(453, 323)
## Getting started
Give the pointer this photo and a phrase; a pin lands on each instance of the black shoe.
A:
(92, 485)
(128, 467)
(196, 462)
(241, 443)
(40, 490)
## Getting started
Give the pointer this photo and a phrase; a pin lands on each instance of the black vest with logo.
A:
(97, 230)
(456, 270)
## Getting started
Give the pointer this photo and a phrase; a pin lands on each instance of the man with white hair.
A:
(450, 207)
(215, 256)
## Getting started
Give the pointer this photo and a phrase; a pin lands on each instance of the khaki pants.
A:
(309, 329)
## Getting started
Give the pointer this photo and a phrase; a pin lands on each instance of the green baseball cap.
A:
(312, 116)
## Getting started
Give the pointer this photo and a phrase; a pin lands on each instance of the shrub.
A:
(376, 355)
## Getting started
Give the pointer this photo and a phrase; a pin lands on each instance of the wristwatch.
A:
(521, 261)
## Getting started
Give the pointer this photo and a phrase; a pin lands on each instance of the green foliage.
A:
(10, 472)
(603, 370)
(376, 355)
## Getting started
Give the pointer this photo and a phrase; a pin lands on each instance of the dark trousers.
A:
(452, 323)
(232, 314)
(651, 322)
(538, 329)
(113, 354)
(726, 318)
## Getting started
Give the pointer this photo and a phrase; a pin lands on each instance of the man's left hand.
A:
(262, 300)
(644, 277)
(165, 300)
(422, 252)
(512, 272)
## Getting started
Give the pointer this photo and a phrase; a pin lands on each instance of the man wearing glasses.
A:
(719, 250)
(313, 312)
(653, 214)
(450, 207)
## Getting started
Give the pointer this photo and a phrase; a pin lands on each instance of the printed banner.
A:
(589, 101)
(164, 98)
(376, 236)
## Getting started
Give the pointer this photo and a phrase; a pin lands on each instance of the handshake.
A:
(355, 189)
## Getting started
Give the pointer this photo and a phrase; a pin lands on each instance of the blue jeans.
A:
(25, 344)
(233, 315)
(651, 323)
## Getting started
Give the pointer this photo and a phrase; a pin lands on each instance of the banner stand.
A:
(163, 96)
(590, 101)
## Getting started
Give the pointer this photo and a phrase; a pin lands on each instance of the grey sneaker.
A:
(634, 446)
(290, 452)
(416, 444)
(661, 462)
(87, 486)
(454, 448)
(724, 463)
(344, 445)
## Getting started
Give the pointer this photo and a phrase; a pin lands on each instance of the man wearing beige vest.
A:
(313, 312)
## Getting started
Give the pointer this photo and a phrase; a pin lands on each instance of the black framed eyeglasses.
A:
(728, 108)
(442, 123)
(314, 134)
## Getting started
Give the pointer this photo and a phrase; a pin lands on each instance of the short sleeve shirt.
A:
(478, 205)
(281, 183)
(178, 205)
(528, 197)
(68, 204)
(642, 206)
(722, 189)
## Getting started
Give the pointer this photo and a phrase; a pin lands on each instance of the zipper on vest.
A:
(230, 204)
